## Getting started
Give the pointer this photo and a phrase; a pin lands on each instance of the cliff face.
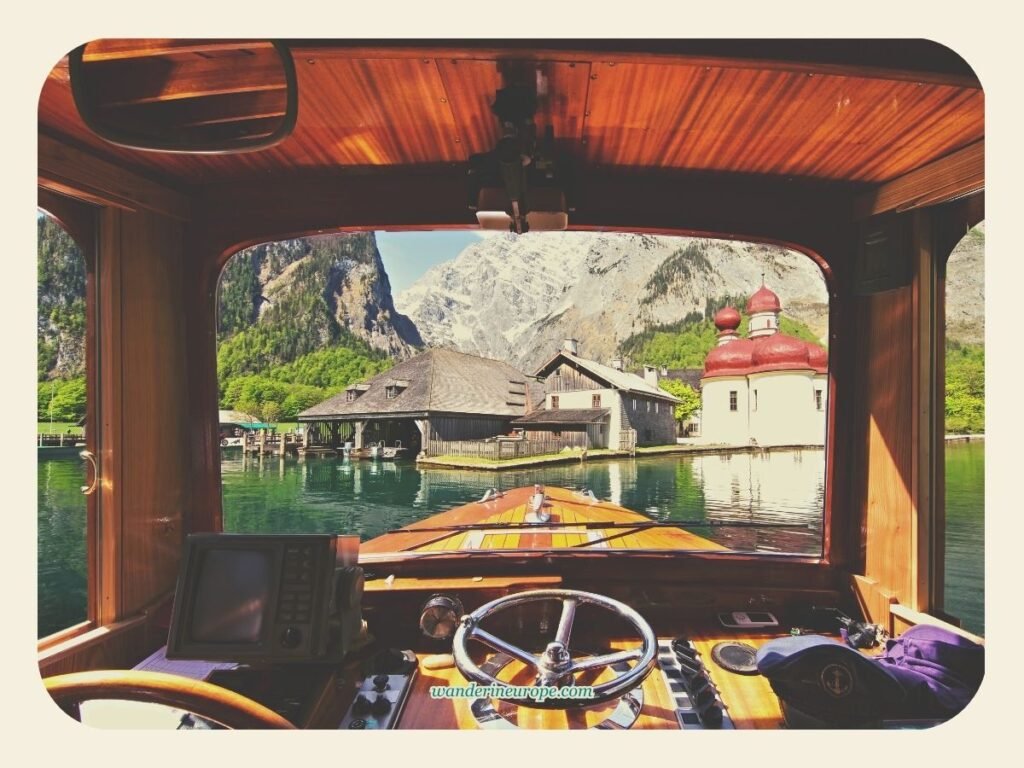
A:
(517, 298)
(310, 292)
(965, 289)
(60, 323)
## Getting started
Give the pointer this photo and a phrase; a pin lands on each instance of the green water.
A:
(337, 496)
(965, 534)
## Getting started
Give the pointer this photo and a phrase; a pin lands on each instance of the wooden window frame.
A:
(595, 401)
(80, 221)
(734, 400)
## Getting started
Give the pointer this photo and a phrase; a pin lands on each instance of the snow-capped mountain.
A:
(516, 298)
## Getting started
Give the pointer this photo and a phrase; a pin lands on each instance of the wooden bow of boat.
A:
(573, 519)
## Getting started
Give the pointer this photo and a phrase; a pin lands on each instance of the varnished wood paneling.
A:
(395, 105)
(957, 174)
(572, 517)
(425, 712)
(155, 483)
(749, 698)
(749, 121)
(111, 415)
(115, 646)
(372, 112)
(70, 171)
(470, 86)
(885, 477)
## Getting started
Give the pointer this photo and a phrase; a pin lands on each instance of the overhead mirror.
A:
(212, 96)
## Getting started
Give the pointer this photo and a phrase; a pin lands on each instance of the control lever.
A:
(712, 716)
(361, 706)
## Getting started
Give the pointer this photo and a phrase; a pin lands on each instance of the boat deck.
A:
(503, 523)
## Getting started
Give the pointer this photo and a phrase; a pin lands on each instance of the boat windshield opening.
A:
(469, 391)
(63, 513)
(964, 465)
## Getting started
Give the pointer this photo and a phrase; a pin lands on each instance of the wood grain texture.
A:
(155, 484)
(425, 712)
(457, 584)
(68, 170)
(749, 698)
(111, 416)
(204, 699)
(569, 512)
(118, 645)
(957, 174)
(885, 478)
(395, 105)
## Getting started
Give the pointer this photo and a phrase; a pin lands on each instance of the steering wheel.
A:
(208, 701)
(555, 666)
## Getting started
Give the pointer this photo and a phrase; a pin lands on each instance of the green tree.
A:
(270, 412)
(686, 343)
(965, 388)
(68, 399)
(686, 393)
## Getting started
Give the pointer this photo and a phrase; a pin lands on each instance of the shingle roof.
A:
(235, 417)
(563, 416)
(691, 376)
(628, 382)
(439, 380)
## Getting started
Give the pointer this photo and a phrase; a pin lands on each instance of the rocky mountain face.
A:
(965, 289)
(313, 291)
(60, 323)
(517, 297)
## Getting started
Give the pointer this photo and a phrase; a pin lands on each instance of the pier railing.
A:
(495, 450)
(264, 443)
(58, 440)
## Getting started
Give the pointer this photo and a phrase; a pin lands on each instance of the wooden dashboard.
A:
(748, 698)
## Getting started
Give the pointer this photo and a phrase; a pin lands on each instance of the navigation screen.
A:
(232, 595)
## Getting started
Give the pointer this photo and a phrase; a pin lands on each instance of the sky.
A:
(407, 255)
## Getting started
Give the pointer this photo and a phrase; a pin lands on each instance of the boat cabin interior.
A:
(163, 158)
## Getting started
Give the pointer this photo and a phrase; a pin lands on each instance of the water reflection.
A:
(370, 498)
(335, 496)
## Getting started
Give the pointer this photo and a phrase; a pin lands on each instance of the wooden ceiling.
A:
(369, 106)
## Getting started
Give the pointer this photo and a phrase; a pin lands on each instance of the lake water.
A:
(337, 496)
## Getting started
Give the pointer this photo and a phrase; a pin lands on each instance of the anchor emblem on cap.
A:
(837, 680)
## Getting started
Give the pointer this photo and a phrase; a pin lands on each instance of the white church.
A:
(767, 389)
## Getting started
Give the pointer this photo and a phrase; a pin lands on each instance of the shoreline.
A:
(458, 462)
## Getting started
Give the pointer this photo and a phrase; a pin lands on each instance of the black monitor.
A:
(263, 599)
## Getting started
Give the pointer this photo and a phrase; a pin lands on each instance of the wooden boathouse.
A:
(423, 403)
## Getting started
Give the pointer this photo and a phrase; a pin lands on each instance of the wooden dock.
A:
(262, 443)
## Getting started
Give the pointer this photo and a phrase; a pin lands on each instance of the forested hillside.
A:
(299, 320)
(685, 344)
(60, 324)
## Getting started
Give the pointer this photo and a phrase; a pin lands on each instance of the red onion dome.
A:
(780, 352)
(727, 319)
(764, 300)
(818, 357)
(732, 358)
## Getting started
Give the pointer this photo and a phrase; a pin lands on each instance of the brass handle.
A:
(91, 458)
